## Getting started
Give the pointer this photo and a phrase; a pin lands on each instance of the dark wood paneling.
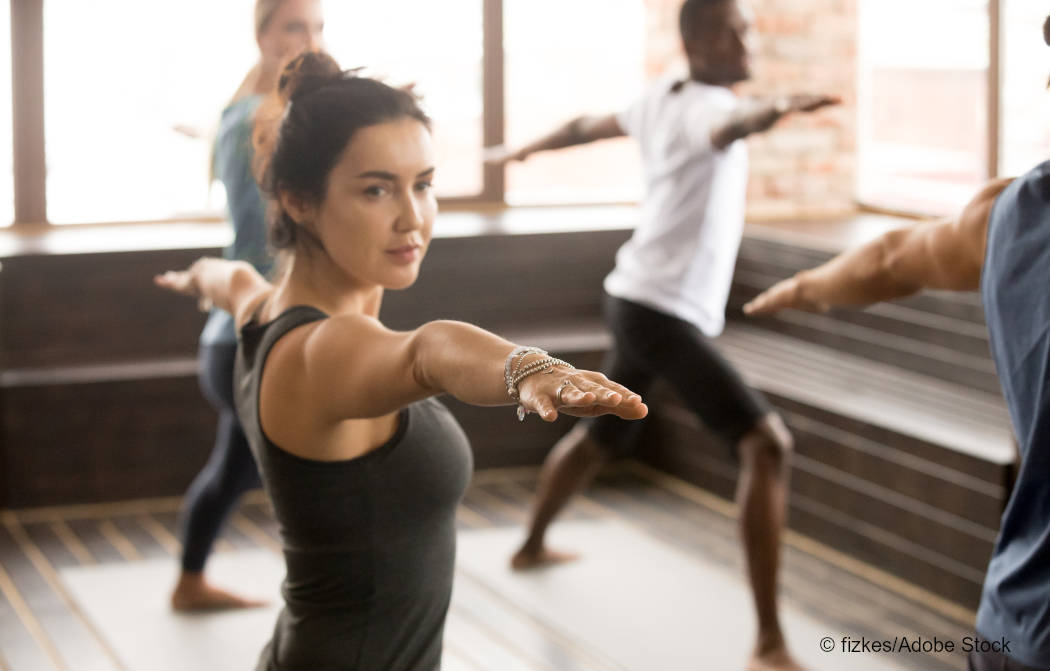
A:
(104, 441)
(68, 310)
(501, 282)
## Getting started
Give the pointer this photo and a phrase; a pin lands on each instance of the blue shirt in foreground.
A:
(1015, 602)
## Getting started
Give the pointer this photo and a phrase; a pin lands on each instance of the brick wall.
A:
(806, 165)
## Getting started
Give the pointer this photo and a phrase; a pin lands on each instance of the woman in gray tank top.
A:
(364, 468)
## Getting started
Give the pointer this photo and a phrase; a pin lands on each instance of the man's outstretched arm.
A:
(580, 130)
(938, 255)
(757, 116)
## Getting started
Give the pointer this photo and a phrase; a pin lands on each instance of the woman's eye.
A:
(375, 191)
(424, 186)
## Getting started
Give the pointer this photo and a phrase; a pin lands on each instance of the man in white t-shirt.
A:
(667, 295)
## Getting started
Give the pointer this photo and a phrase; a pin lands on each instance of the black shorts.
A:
(651, 345)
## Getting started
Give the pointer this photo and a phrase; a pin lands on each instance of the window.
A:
(114, 94)
(7, 195)
(1024, 134)
(119, 76)
(555, 71)
(439, 51)
(923, 127)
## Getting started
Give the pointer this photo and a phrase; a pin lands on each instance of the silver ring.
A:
(561, 388)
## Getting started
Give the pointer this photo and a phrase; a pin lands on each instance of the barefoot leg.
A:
(762, 496)
(570, 467)
(193, 593)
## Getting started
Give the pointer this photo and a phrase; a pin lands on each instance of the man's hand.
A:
(500, 154)
(806, 102)
(781, 296)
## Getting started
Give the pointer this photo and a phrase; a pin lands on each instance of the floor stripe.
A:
(525, 656)
(29, 621)
(490, 475)
(223, 545)
(44, 567)
(161, 534)
(887, 581)
(471, 519)
(72, 542)
(580, 501)
(116, 508)
(588, 656)
(495, 503)
(460, 657)
(252, 531)
(125, 547)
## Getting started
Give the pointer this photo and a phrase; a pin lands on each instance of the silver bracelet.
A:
(520, 353)
(533, 367)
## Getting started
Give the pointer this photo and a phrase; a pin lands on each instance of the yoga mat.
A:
(631, 603)
(636, 600)
(127, 604)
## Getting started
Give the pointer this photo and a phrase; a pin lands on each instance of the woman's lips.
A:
(404, 255)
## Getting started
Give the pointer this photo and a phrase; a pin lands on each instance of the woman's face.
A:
(379, 208)
(296, 26)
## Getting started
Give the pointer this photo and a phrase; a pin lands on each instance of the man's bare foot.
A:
(194, 594)
(526, 558)
(776, 659)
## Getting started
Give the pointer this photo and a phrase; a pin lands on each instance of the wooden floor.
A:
(42, 629)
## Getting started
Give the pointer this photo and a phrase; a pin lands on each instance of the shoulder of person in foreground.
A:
(946, 254)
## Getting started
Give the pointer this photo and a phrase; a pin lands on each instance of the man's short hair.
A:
(687, 16)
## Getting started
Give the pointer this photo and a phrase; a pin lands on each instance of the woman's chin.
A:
(401, 280)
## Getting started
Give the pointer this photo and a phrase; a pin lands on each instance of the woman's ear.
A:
(300, 210)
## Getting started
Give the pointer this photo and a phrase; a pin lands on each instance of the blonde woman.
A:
(283, 29)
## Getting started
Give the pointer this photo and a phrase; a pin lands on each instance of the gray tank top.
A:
(369, 542)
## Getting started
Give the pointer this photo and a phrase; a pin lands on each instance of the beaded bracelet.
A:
(537, 366)
(520, 353)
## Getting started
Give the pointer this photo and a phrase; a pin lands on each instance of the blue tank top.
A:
(1015, 601)
(245, 203)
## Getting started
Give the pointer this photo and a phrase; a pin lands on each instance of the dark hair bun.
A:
(307, 73)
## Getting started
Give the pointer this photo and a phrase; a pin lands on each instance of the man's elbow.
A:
(901, 272)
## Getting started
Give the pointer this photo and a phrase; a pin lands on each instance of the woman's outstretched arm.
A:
(229, 285)
(363, 369)
(355, 367)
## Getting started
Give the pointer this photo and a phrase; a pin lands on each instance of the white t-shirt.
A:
(681, 256)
